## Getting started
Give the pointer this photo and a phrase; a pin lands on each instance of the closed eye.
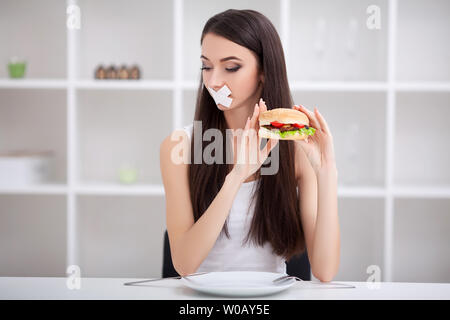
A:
(234, 69)
(229, 70)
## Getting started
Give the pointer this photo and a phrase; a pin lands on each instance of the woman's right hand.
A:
(249, 157)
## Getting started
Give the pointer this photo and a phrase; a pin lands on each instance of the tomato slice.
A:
(276, 124)
(298, 125)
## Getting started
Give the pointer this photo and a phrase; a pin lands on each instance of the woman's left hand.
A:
(319, 147)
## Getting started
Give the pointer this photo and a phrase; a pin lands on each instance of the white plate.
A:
(238, 283)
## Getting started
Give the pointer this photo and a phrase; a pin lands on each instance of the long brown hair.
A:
(277, 214)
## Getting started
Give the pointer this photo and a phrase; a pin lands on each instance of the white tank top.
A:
(231, 254)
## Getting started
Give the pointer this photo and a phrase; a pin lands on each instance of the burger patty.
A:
(286, 127)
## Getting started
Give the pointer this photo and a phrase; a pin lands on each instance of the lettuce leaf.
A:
(310, 131)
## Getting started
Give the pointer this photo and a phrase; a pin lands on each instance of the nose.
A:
(215, 81)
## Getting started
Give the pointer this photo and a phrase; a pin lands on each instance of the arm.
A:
(191, 242)
(319, 215)
(327, 234)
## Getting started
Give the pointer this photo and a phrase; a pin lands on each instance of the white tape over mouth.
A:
(221, 95)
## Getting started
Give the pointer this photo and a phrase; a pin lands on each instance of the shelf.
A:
(422, 192)
(361, 222)
(36, 119)
(330, 41)
(85, 189)
(368, 86)
(56, 189)
(344, 86)
(158, 190)
(338, 86)
(421, 133)
(360, 192)
(121, 236)
(128, 128)
(33, 83)
(125, 84)
(33, 236)
(117, 189)
(126, 32)
(355, 122)
(423, 49)
(421, 238)
(36, 32)
(397, 192)
(422, 86)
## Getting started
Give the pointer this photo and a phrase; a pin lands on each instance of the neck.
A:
(237, 117)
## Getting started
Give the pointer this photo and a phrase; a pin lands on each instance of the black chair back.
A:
(168, 268)
(298, 266)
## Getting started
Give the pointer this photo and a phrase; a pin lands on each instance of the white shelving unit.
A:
(367, 104)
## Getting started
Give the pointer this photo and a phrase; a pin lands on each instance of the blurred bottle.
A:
(123, 72)
(111, 72)
(127, 173)
(16, 67)
(135, 72)
(100, 72)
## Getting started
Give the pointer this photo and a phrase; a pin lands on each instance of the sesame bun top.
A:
(283, 115)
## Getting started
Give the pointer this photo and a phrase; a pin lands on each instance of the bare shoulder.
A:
(174, 156)
(175, 137)
(174, 166)
(175, 141)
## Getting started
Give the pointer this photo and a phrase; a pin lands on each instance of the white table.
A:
(172, 289)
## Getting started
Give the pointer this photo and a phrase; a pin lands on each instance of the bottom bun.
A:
(268, 134)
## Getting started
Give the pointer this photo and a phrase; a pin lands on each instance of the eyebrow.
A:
(223, 59)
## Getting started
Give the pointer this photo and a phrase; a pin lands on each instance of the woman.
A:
(229, 216)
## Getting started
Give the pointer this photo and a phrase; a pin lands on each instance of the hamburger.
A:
(284, 124)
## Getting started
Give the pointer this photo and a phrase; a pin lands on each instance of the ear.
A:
(262, 77)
